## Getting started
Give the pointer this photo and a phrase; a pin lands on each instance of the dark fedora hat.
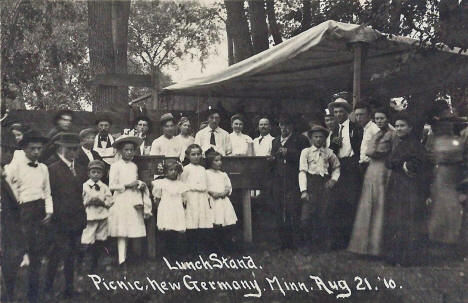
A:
(68, 140)
(62, 112)
(32, 137)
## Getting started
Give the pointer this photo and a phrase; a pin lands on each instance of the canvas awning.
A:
(319, 62)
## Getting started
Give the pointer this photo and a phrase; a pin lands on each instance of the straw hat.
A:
(127, 139)
(340, 102)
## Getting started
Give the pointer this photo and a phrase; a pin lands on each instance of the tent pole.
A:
(357, 68)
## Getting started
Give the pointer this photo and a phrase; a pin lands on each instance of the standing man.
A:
(86, 152)
(104, 140)
(167, 145)
(29, 180)
(62, 123)
(330, 123)
(213, 136)
(69, 220)
(142, 128)
(285, 154)
(345, 141)
(362, 112)
(263, 143)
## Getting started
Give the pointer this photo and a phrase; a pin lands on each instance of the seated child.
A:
(97, 199)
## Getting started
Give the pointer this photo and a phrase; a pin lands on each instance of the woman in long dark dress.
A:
(404, 210)
(367, 234)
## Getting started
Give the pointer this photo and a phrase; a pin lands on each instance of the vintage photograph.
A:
(234, 151)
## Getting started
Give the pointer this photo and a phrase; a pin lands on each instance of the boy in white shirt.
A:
(97, 199)
(315, 164)
(29, 181)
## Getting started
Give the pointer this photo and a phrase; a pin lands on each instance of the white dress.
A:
(199, 212)
(240, 144)
(218, 182)
(171, 213)
(124, 219)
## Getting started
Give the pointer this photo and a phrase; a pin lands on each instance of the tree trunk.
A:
(395, 15)
(306, 22)
(101, 51)
(274, 29)
(258, 25)
(238, 29)
(120, 15)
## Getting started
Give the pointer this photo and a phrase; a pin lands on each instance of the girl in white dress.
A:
(169, 197)
(198, 212)
(219, 189)
(132, 203)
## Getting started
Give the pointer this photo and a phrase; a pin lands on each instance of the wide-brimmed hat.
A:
(166, 117)
(340, 102)
(61, 113)
(318, 128)
(67, 139)
(96, 164)
(32, 136)
(127, 139)
(86, 132)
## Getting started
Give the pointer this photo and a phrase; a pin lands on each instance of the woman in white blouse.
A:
(185, 137)
(240, 142)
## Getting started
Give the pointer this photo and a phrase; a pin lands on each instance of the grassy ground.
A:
(443, 281)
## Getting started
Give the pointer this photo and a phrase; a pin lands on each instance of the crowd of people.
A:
(374, 186)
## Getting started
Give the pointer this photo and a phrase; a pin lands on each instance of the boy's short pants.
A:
(96, 230)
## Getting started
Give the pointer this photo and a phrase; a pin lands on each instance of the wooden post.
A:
(151, 236)
(247, 213)
(357, 68)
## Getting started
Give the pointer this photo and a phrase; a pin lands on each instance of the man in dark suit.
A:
(285, 154)
(86, 152)
(345, 141)
(69, 218)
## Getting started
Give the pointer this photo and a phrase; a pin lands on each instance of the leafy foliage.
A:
(45, 54)
(163, 32)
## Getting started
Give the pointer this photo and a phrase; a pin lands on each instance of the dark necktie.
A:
(340, 134)
(32, 164)
(261, 138)
(96, 187)
(212, 138)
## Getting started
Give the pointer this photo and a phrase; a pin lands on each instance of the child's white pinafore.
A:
(199, 212)
(124, 219)
(171, 213)
(218, 182)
